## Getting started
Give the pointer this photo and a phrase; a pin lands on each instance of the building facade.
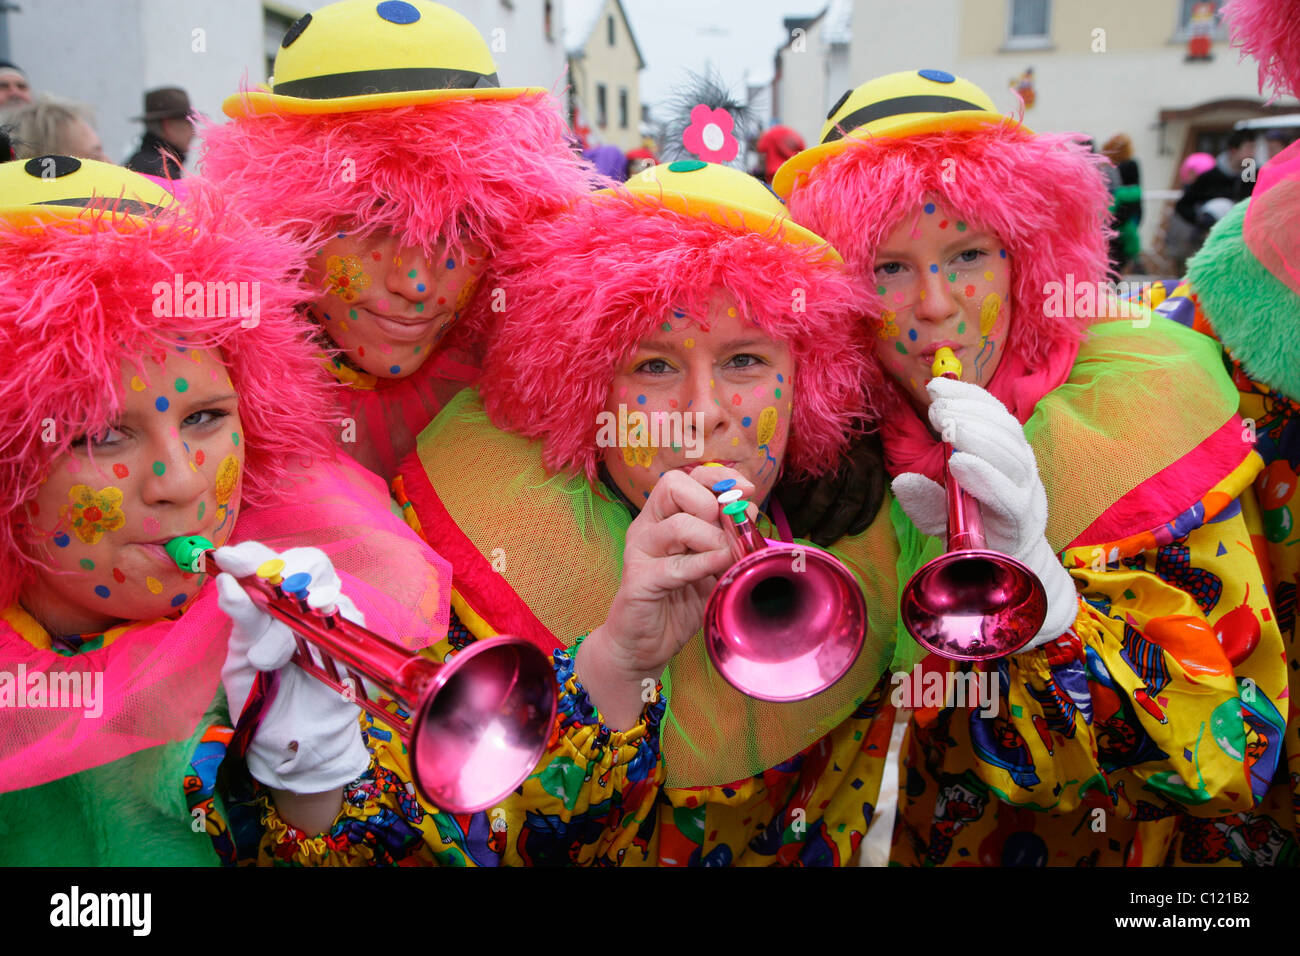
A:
(605, 63)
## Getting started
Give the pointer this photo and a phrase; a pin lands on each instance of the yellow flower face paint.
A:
(92, 513)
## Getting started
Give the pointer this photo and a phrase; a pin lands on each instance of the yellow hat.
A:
(723, 195)
(362, 55)
(61, 187)
(899, 104)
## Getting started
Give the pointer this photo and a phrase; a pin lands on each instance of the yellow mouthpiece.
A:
(945, 363)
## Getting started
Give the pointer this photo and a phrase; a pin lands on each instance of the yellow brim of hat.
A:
(262, 102)
(895, 127)
(733, 216)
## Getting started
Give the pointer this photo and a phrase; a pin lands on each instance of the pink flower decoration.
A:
(709, 135)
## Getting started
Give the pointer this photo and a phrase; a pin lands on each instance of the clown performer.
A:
(1243, 288)
(387, 147)
(130, 420)
(974, 233)
(689, 298)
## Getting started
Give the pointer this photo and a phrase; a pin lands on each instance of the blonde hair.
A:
(37, 129)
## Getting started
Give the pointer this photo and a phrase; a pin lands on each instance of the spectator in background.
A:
(776, 145)
(168, 132)
(1126, 202)
(639, 160)
(51, 126)
(1276, 140)
(14, 88)
(1223, 181)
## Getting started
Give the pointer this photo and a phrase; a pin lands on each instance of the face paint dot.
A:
(327, 316)
(934, 267)
(640, 399)
(689, 343)
(921, 296)
(88, 564)
(417, 349)
(961, 227)
(419, 307)
(376, 257)
(1002, 253)
(911, 334)
(735, 442)
(102, 591)
(382, 305)
(970, 291)
(182, 385)
(352, 313)
(137, 385)
(622, 392)
(154, 585)
(411, 274)
(746, 421)
(178, 600)
(731, 312)
(776, 392)
(451, 263)
(952, 277)
(118, 576)
(929, 208)
(988, 276)
(152, 526)
(961, 328)
(902, 349)
(121, 470)
(880, 290)
(666, 327)
(898, 298)
(736, 399)
(394, 369)
(419, 287)
(780, 377)
(159, 468)
(385, 348)
(61, 539)
(758, 391)
(161, 403)
(203, 506)
(361, 350)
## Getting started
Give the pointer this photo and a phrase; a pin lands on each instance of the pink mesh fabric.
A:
(1272, 225)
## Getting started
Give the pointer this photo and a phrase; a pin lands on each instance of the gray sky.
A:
(733, 35)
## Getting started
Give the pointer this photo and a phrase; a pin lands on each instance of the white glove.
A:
(309, 740)
(993, 462)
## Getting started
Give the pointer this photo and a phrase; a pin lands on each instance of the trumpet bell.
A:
(973, 605)
(785, 622)
(482, 724)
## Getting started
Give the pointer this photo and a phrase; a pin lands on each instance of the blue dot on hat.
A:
(938, 76)
(397, 11)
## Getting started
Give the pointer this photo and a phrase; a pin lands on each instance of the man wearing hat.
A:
(168, 133)
(14, 88)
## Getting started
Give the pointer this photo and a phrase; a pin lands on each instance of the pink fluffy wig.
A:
(1267, 30)
(82, 304)
(1044, 196)
(454, 171)
(584, 288)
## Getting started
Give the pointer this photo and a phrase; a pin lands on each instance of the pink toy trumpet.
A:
(474, 727)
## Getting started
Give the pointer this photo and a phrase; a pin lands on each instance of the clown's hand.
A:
(309, 740)
(995, 465)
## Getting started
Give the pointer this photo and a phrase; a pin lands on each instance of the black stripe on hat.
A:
(898, 106)
(369, 82)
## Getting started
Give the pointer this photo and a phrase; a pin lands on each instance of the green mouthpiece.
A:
(187, 552)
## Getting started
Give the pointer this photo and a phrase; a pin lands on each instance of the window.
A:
(601, 106)
(1186, 8)
(548, 18)
(609, 24)
(622, 108)
(1028, 23)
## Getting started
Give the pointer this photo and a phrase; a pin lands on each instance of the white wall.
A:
(106, 53)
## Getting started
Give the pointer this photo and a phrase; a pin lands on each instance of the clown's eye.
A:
(205, 416)
(889, 269)
(970, 256)
(656, 366)
(745, 360)
(109, 436)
